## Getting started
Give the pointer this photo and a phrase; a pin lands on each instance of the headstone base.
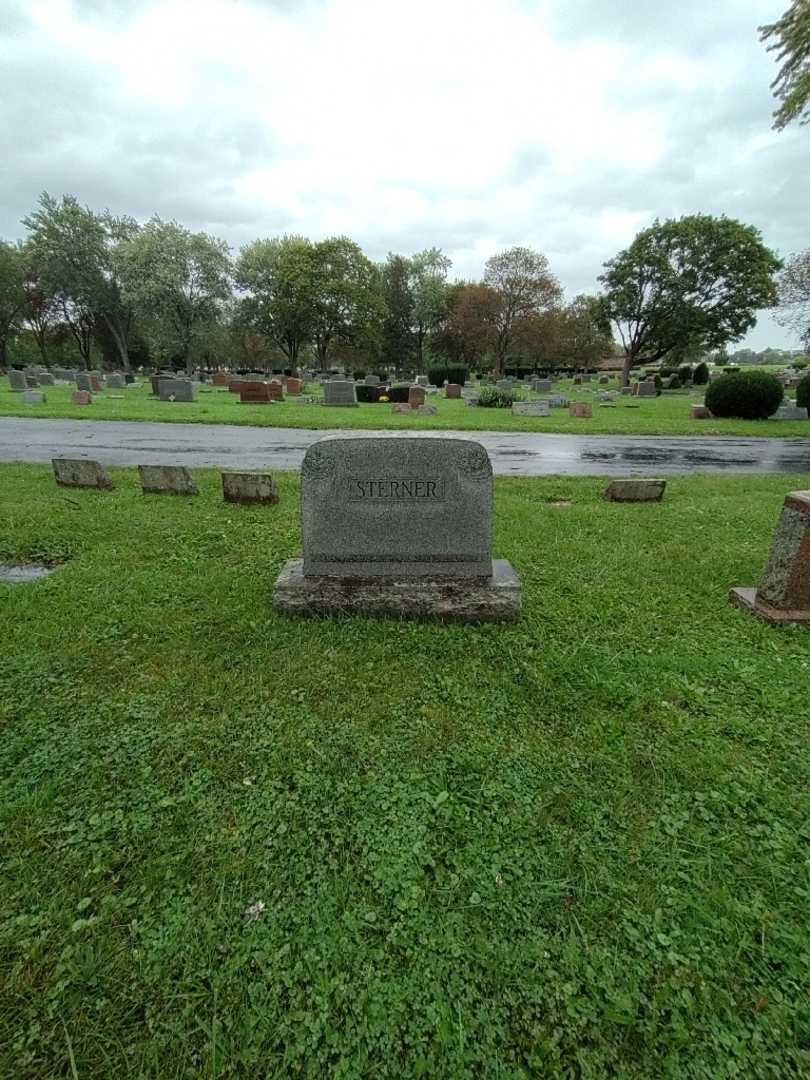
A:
(472, 600)
(748, 600)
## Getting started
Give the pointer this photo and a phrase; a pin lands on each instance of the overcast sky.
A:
(564, 125)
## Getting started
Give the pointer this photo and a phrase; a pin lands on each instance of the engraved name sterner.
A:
(407, 488)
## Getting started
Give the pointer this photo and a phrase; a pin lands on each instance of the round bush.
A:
(800, 364)
(803, 393)
(746, 395)
(700, 376)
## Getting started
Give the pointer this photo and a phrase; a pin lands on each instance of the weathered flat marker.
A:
(783, 593)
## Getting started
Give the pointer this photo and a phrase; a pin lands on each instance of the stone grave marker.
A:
(78, 472)
(700, 412)
(531, 408)
(83, 381)
(416, 396)
(452, 390)
(116, 381)
(276, 389)
(249, 487)
(176, 390)
(221, 379)
(46, 378)
(81, 397)
(294, 386)
(255, 392)
(166, 480)
(646, 389)
(582, 409)
(398, 526)
(783, 593)
(16, 380)
(96, 382)
(789, 410)
(635, 490)
(33, 397)
(421, 380)
(340, 392)
(372, 380)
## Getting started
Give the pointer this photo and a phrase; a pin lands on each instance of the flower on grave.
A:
(383, 397)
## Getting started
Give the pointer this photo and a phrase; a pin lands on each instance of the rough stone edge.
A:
(647, 483)
(747, 600)
(146, 490)
(495, 599)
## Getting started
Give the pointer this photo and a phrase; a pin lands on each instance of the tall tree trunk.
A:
(120, 339)
(626, 368)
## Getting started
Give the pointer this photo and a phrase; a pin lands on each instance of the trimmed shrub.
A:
(803, 393)
(359, 374)
(398, 394)
(800, 364)
(674, 383)
(493, 398)
(685, 373)
(747, 395)
(659, 384)
(700, 376)
(453, 373)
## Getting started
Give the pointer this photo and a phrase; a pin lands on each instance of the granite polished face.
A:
(404, 507)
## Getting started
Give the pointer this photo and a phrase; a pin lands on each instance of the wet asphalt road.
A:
(114, 442)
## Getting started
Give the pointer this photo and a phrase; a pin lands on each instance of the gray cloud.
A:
(242, 137)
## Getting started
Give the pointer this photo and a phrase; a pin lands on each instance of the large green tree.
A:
(467, 331)
(584, 334)
(12, 294)
(76, 252)
(397, 339)
(794, 296)
(348, 302)
(525, 288)
(428, 285)
(789, 38)
(279, 280)
(694, 278)
(177, 281)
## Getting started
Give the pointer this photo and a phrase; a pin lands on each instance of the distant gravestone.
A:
(31, 382)
(166, 480)
(422, 380)
(635, 490)
(96, 382)
(339, 392)
(115, 381)
(626, 390)
(235, 383)
(587, 378)
(248, 487)
(294, 386)
(83, 381)
(783, 594)
(503, 384)
(276, 390)
(789, 410)
(700, 412)
(581, 409)
(16, 380)
(81, 397)
(557, 401)
(646, 389)
(33, 397)
(372, 380)
(452, 390)
(416, 396)
(531, 408)
(221, 379)
(176, 390)
(255, 392)
(542, 386)
(76, 472)
(398, 526)
(46, 378)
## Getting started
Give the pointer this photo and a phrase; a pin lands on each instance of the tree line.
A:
(160, 292)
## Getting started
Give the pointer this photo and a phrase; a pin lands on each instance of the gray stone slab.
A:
(78, 472)
(33, 397)
(83, 381)
(176, 390)
(339, 392)
(531, 408)
(17, 381)
(18, 575)
(646, 490)
(46, 379)
(166, 480)
(249, 487)
(790, 411)
(494, 598)
(378, 507)
(116, 381)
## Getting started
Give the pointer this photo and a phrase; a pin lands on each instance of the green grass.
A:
(575, 846)
(667, 415)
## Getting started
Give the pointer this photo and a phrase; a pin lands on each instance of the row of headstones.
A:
(237, 486)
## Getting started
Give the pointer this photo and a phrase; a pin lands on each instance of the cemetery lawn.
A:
(666, 415)
(236, 844)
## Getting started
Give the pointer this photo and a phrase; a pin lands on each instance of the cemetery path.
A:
(114, 442)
